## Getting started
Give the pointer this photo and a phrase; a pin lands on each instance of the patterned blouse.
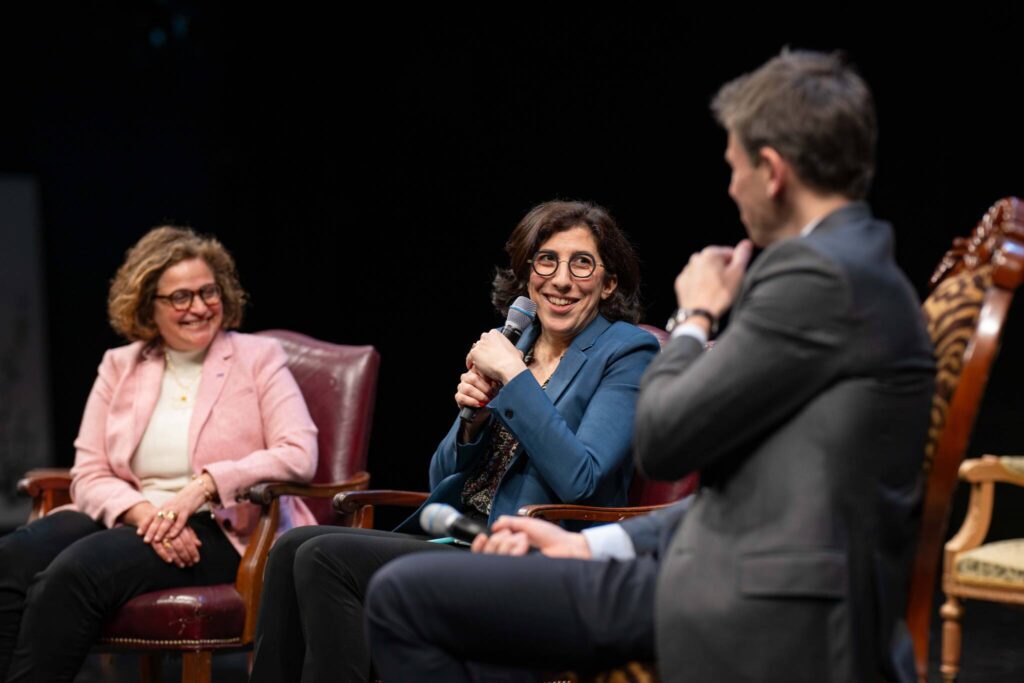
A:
(478, 493)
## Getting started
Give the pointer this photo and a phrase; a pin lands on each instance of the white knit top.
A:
(162, 461)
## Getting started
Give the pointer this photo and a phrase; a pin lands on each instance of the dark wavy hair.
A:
(615, 251)
(130, 302)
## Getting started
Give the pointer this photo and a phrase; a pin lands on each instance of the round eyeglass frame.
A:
(558, 262)
(210, 294)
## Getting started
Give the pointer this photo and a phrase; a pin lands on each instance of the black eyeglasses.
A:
(581, 266)
(181, 299)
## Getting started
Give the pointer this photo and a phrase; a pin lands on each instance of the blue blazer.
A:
(574, 437)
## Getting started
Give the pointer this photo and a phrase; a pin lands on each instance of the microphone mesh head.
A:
(436, 517)
(521, 313)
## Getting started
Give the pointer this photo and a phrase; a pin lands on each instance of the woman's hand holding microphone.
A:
(490, 363)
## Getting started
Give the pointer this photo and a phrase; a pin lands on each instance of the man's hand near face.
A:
(711, 280)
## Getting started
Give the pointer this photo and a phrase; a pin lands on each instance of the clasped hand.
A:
(166, 529)
(492, 362)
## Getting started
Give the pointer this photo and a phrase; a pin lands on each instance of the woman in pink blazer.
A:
(177, 424)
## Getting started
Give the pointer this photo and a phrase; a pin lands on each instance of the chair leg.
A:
(195, 666)
(952, 612)
(107, 665)
(151, 667)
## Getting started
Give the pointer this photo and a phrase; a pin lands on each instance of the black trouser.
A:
(428, 616)
(310, 626)
(62, 575)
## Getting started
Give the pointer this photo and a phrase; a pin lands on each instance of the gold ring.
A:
(160, 514)
(167, 544)
(172, 515)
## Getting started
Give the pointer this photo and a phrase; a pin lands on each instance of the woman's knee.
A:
(286, 545)
(69, 579)
(320, 560)
(282, 553)
(30, 549)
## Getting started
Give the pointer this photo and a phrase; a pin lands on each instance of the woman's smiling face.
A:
(195, 327)
(567, 304)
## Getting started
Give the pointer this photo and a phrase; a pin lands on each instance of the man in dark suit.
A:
(807, 421)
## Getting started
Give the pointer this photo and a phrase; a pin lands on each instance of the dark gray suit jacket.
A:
(807, 421)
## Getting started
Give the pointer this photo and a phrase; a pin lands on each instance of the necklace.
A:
(528, 358)
(187, 387)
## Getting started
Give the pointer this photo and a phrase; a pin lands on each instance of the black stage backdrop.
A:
(366, 170)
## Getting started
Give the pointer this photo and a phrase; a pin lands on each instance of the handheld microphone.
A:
(439, 519)
(520, 316)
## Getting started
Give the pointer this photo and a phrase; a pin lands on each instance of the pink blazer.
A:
(250, 424)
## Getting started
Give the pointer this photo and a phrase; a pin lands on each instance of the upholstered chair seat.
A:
(993, 564)
(203, 616)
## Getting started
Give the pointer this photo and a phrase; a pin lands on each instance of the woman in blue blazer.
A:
(552, 425)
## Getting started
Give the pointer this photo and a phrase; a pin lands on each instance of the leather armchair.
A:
(339, 385)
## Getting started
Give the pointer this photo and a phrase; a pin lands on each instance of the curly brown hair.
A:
(130, 302)
(544, 220)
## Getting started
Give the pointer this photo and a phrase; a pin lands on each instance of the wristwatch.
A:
(683, 314)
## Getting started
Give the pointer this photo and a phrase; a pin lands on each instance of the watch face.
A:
(682, 315)
(677, 319)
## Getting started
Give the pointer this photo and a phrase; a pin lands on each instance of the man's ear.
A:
(776, 170)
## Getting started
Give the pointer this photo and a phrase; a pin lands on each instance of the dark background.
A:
(365, 170)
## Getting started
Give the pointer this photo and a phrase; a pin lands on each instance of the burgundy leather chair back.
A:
(643, 491)
(661, 335)
(339, 384)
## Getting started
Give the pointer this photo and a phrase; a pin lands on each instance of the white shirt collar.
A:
(807, 229)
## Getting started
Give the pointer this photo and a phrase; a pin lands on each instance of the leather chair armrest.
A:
(356, 507)
(36, 481)
(264, 493)
(249, 580)
(49, 488)
(585, 513)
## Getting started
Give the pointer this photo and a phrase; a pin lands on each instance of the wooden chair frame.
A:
(998, 239)
(982, 474)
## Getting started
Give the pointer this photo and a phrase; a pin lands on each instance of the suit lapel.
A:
(574, 358)
(215, 373)
(148, 379)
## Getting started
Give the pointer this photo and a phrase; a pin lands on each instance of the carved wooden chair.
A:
(971, 569)
(339, 385)
(972, 289)
(971, 292)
